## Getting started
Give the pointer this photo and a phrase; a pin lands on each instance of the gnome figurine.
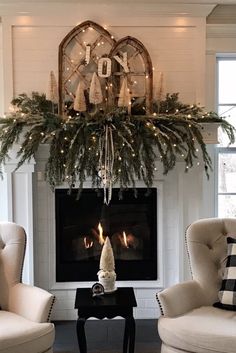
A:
(106, 274)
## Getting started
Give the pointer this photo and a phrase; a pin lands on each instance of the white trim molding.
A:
(16, 204)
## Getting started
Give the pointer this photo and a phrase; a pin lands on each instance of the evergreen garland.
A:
(172, 131)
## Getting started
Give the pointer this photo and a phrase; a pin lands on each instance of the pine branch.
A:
(139, 140)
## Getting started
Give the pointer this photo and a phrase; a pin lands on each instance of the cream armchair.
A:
(24, 310)
(189, 322)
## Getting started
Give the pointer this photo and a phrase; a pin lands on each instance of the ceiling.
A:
(202, 2)
(202, 8)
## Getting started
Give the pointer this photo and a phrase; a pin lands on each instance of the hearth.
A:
(82, 225)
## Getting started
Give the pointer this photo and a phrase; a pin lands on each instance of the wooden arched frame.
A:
(147, 72)
(73, 66)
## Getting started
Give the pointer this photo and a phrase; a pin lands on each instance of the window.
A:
(226, 155)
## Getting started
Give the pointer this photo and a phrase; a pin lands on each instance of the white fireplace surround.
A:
(27, 199)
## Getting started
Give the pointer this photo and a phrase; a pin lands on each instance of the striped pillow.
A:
(227, 293)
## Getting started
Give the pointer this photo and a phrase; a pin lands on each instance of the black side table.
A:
(118, 303)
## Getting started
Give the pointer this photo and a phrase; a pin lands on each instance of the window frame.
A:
(221, 150)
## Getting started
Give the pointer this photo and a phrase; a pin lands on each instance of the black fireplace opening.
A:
(82, 226)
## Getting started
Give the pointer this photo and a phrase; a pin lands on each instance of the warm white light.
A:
(101, 237)
(125, 240)
(87, 243)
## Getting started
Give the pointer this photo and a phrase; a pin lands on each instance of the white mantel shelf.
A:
(139, 8)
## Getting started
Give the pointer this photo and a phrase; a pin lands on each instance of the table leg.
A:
(126, 336)
(81, 335)
(129, 335)
(132, 335)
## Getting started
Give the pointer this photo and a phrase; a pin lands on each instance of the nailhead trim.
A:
(23, 258)
(188, 253)
(21, 274)
(159, 303)
(50, 310)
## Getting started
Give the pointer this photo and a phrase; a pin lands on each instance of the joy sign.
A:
(90, 49)
(104, 64)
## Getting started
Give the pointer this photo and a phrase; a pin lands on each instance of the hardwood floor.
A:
(106, 336)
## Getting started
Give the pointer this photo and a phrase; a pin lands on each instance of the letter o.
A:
(104, 67)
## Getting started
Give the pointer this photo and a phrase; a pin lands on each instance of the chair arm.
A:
(181, 298)
(32, 303)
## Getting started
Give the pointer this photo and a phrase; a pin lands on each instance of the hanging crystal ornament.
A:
(106, 162)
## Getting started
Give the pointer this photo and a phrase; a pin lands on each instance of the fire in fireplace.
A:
(82, 226)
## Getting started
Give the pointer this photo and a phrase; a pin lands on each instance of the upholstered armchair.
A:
(189, 322)
(24, 310)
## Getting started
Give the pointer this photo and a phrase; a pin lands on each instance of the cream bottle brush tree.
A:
(79, 102)
(95, 92)
(107, 262)
(106, 274)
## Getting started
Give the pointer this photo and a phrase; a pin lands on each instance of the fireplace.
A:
(82, 225)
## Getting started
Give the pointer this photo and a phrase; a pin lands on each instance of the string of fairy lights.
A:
(82, 53)
(125, 152)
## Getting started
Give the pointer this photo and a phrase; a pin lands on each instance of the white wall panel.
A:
(173, 50)
(1, 74)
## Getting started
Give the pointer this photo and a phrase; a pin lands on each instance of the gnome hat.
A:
(107, 262)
